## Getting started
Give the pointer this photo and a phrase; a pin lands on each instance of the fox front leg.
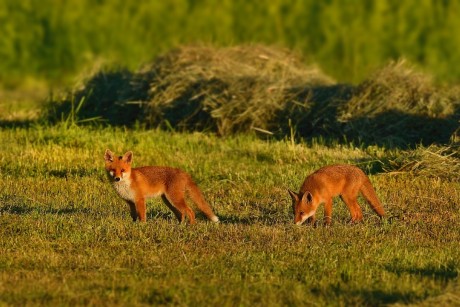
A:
(311, 220)
(132, 210)
(141, 209)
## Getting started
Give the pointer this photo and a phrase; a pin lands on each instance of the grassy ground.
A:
(67, 239)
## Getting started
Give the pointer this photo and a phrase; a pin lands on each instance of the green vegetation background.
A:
(53, 40)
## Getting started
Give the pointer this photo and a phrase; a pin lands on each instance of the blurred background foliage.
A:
(55, 40)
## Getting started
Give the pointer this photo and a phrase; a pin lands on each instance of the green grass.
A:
(66, 238)
(54, 40)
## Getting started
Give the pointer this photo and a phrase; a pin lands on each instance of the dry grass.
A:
(400, 105)
(432, 161)
(244, 88)
(233, 89)
(399, 87)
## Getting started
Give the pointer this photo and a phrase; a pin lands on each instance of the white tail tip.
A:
(215, 219)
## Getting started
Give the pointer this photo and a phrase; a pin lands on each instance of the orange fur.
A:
(136, 185)
(346, 181)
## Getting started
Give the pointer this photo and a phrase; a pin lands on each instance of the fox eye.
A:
(302, 213)
(122, 170)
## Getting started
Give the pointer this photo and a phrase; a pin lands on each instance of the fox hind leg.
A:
(353, 207)
(171, 207)
(181, 206)
(190, 214)
(328, 212)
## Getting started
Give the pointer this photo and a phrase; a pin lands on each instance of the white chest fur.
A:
(123, 189)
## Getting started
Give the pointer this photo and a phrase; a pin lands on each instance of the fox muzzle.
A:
(304, 218)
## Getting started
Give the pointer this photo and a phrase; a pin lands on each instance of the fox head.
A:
(118, 168)
(303, 205)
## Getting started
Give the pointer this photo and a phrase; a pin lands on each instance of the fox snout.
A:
(116, 177)
(302, 217)
(299, 220)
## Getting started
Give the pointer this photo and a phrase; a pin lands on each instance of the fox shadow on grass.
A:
(153, 215)
(263, 215)
(169, 215)
(247, 220)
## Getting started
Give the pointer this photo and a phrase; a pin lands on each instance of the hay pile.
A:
(226, 90)
(245, 88)
(400, 105)
(223, 90)
(401, 88)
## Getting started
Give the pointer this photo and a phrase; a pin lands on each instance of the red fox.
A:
(136, 185)
(328, 182)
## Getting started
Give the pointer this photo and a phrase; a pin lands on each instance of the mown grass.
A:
(67, 239)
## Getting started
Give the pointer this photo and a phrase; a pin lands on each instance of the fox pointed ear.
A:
(128, 157)
(307, 197)
(294, 195)
(108, 156)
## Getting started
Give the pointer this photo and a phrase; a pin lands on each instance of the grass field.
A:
(248, 107)
(67, 239)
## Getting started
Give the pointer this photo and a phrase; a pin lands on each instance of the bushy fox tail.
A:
(199, 200)
(369, 194)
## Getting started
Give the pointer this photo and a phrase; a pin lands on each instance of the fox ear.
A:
(128, 157)
(307, 197)
(108, 156)
(294, 196)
